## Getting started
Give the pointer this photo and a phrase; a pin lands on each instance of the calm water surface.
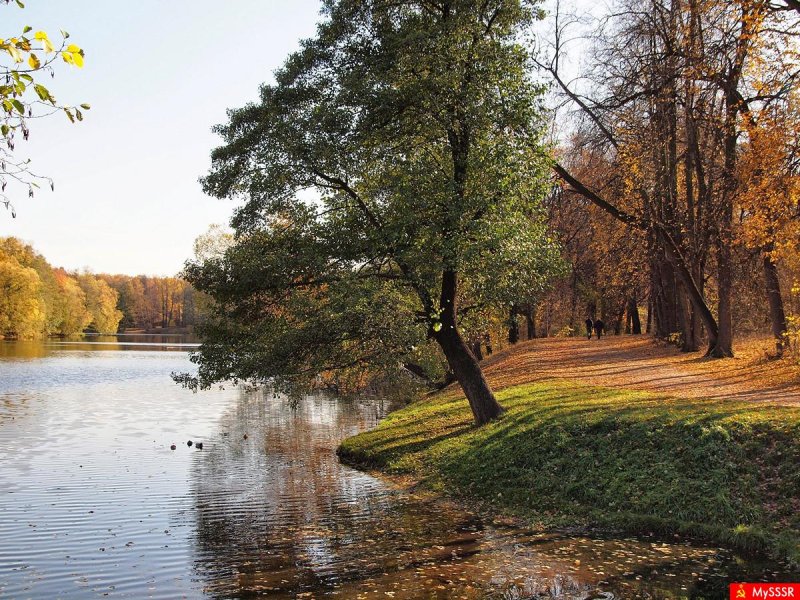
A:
(93, 503)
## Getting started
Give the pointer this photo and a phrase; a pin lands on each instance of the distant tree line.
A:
(38, 300)
(155, 302)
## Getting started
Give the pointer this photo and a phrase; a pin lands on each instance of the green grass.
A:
(567, 454)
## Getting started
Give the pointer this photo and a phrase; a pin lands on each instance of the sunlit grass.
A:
(565, 453)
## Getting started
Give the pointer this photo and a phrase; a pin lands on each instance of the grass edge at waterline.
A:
(631, 461)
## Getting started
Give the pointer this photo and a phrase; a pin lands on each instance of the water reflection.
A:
(94, 502)
(278, 515)
(88, 485)
(29, 350)
(275, 509)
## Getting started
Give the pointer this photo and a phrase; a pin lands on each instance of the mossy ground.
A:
(570, 454)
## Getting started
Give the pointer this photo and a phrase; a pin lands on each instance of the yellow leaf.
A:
(14, 53)
(67, 58)
(73, 48)
(33, 61)
(77, 57)
(47, 46)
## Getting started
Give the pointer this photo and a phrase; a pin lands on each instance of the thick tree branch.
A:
(343, 186)
(673, 251)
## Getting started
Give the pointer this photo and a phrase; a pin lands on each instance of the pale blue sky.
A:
(158, 75)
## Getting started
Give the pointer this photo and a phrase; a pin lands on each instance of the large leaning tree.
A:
(391, 180)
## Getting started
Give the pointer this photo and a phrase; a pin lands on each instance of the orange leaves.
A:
(768, 185)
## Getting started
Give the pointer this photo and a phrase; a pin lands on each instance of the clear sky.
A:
(158, 75)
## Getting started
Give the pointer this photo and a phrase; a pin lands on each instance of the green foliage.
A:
(403, 142)
(332, 319)
(566, 453)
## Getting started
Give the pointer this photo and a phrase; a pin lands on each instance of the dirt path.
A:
(638, 362)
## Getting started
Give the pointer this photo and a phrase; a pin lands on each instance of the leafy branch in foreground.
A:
(24, 60)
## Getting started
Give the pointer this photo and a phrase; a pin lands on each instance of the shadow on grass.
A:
(579, 451)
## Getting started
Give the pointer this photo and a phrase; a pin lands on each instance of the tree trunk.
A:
(476, 350)
(688, 342)
(697, 323)
(461, 361)
(723, 346)
(663, 291)
(469, 375)
(547, 321)
(530, 321)
(573, 299)
(776, 313)
(513, 326)
(633, 311)
(618, 319)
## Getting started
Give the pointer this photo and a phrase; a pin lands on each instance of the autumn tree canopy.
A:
(38, 300)
(673, 100)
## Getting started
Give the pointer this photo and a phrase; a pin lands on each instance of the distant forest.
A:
(38, 300)
(155, 302)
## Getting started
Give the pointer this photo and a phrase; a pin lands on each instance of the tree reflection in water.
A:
(94, 501)
(278, 515)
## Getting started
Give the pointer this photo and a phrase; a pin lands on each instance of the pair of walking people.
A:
(597, 326)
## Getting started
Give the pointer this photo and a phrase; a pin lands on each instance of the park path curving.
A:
(641, 363)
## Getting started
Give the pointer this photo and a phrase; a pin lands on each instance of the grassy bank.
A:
(569, 454)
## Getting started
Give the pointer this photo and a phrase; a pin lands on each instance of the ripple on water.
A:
(94, 502)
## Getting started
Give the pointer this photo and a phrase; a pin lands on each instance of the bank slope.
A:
(566, 453)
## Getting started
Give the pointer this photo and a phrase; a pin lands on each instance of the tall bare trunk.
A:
(513, 325)
(633, 313)
(776, 313)
(724, 343)
(530, 321)
(688, 341)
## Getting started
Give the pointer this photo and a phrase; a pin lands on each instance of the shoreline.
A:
(669, 466)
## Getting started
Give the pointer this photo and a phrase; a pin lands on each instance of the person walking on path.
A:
(589, 326)
(599, 328)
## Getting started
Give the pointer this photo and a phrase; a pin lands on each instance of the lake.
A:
(94, 503)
